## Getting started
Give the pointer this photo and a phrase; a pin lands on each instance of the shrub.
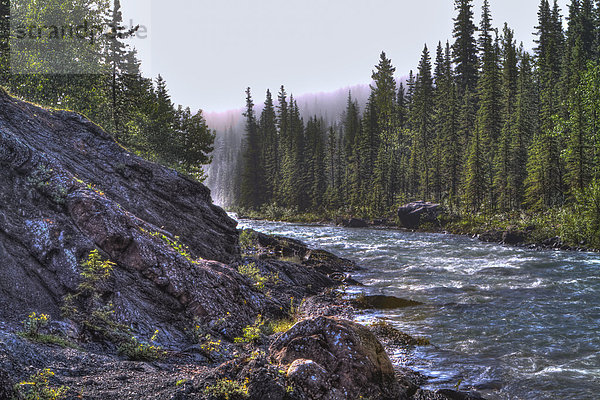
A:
(94, 271)
(246, 240)
(137, 350)
(38, 387)
(252, 272)
(228, 389)
(252, 333)
(34, 323)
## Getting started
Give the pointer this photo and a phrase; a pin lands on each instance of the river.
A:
(510, 323)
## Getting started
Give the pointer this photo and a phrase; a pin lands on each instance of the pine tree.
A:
(438, 139)
(315, 162)
(464, 48)
(160, 131)
(544, 170)
(333, 185)
(503, 158)
(448, 126)
(252, 185)
(365, 155)
(270, 149)
(523, 129)
(384, 95)
(351, 127)
(422, 127)
(283, 124)
(489, 120)
(115, 57)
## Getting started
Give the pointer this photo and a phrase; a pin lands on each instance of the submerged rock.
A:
(382, 302)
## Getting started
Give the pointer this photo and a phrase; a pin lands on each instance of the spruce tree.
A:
(489, 120)
(503, 170)
(422, 127)
(384, 94)
(464, 48)
(523, 130)
(544, 170)
(448, 125)
(115, 57)
(351, 127)
(270, 148)
(252, 185)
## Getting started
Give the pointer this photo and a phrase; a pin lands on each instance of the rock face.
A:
(66, 187)
(411, 215)
(336, 359)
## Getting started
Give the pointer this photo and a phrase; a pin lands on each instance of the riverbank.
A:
(559, 229)
(508, 321)
(303, 345)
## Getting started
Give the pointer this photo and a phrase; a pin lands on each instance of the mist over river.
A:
(511, 323)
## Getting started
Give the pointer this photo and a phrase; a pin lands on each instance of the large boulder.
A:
(412, 215)
(329, 358)
(66, 187)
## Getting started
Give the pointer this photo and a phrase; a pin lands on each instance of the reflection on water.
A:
(511, 323)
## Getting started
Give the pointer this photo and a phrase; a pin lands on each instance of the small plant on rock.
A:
(38, 387)
(246, 240)
(252, 333)
(137, 350)
(228, 389)
(33, 324)
(252, 272)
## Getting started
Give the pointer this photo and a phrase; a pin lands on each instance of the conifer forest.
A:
(482, 125)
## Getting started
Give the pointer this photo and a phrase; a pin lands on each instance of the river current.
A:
(510, 323)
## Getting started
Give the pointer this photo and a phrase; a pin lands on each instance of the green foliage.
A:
(252, 333)
(175, 244)
(35, 322)
(43, 179)
(227, 389)
(246, 240)
(103, 81)
(260, 281)
(38, 387)
(280, 326)
(137, 350)
(31, 331)
(95, 270)
(87, 305)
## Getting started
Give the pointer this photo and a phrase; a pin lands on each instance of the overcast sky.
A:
(209, 51)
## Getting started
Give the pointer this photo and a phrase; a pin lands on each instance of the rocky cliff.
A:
(66, 187)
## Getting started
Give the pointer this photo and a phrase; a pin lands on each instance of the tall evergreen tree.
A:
(510, 75)
(270, 149)
(252, 185)
(464, 48)
(447, 107)
(422, 126)
(384, 95)
(116, 52)
(544, 170)
(522, 131)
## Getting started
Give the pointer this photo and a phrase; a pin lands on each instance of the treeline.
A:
(99, 78)
(485, 125)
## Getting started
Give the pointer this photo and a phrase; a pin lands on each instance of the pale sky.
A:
(210, 51)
